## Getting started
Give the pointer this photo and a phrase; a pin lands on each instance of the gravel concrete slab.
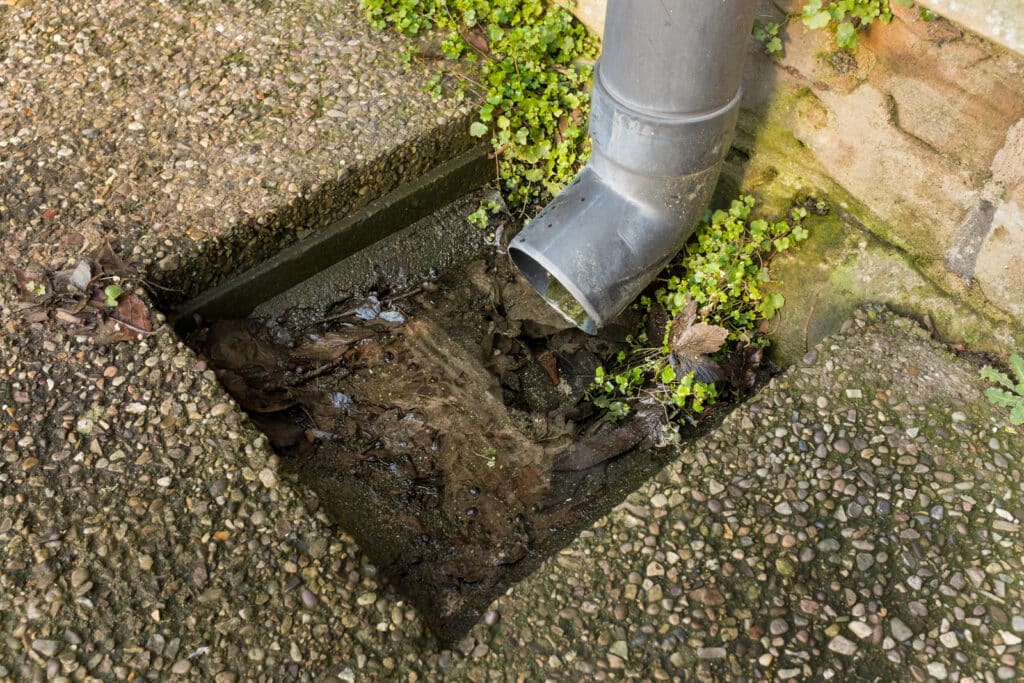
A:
(201, 136)
(859, 519)
(144, 530)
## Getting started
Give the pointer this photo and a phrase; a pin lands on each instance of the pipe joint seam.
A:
(656, 144)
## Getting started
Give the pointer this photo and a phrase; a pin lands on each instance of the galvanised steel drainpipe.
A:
(664, 104)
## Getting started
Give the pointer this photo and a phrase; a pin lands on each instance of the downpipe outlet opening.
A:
(554, 291)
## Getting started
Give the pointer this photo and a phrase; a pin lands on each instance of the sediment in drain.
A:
(429, 426)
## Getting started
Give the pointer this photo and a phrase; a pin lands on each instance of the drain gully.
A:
(407, 375)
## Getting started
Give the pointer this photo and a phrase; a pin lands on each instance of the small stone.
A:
(854, 393)
(707, 595)
(828, 545)
(860, 629)
(949, 639)
(842, 645)
(976, 575)
(1009, 638)
(181, 667)
(619, 649)
(308, 598)
(47, 648)
(784, 508)
(937, 670)
(366, 599)
(900, 631)
(220, 409)
(659, 500)
(778, 626)
(841, 446)
(135, 408)
(79, 576)
(711, 653)
(268, 477)
(81, 275)
(864, 561)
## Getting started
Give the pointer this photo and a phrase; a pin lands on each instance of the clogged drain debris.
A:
(445, 427)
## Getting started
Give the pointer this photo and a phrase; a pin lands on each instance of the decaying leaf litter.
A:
(88, 297)
(446, 427)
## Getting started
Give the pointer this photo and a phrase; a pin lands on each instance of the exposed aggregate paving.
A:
(200, 136)
(858, 518)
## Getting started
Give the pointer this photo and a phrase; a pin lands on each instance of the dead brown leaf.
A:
(107, 262)
(129, 322)
(696, 340)
(478, 41)
(742, 367)
(690, 343)
(29, 281)
(548, 361)
(68, 317)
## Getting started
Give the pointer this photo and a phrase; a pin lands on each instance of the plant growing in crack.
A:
(111, 294)
(846, 17)
(1008, 394)
(702, 325)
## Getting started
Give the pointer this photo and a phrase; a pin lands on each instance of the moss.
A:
(853, 256)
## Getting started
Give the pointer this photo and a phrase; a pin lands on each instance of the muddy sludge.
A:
(429, 422)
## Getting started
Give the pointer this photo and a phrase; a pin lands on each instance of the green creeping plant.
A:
(534, 78)
(1008, 394)
(720, 277)
(848, 16)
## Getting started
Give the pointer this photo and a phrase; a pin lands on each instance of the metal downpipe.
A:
(663, 109)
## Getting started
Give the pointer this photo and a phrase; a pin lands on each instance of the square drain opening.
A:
(435, 404)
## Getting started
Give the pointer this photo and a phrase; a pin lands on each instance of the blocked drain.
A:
(436, 406)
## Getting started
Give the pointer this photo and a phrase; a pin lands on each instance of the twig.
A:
(331, 318)
(133, 328)
(317, 372)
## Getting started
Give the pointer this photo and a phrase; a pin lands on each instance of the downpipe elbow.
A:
(608, 234)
